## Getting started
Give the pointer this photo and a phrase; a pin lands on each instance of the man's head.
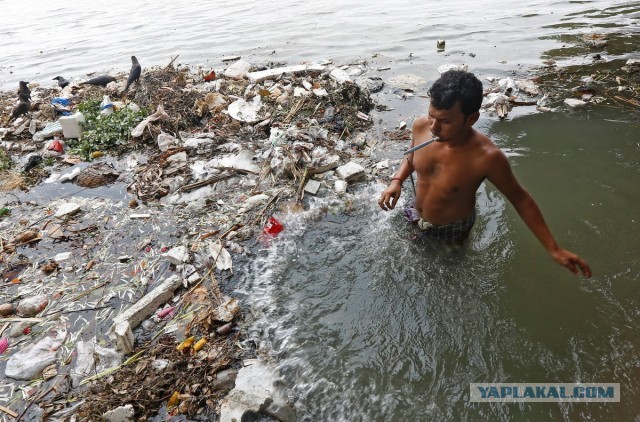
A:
(454, 86)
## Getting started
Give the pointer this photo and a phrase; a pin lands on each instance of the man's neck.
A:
(462, 139)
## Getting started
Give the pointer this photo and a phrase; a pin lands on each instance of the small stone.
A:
(351, 172)
(312, 186)
(341, 187)
(224, 380)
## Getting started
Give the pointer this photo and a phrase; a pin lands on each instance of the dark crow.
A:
(23, 89)
(134, 74)
(62, 82)
(99, 80)
(23, 107)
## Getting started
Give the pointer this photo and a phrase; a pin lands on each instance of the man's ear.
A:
(472, 119)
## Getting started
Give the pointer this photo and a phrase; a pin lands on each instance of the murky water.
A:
(366, 324)
(48, 38)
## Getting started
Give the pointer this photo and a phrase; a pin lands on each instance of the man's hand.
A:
(390, 195)
(573, 262)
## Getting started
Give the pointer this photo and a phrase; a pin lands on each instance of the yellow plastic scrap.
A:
(199, 344)
(186, 343)
(173, 401)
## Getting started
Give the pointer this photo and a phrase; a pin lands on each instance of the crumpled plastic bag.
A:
(29, 362)
(90, 356)
(158, 115)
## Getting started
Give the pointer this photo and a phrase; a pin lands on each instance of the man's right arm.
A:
(391, 194)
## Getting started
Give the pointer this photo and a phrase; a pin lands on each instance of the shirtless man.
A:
(450, 170)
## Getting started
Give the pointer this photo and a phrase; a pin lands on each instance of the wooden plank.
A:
(8, 411)
(628, 100)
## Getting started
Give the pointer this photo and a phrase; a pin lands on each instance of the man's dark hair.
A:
(457, 85)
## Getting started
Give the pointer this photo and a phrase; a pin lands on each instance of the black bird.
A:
(62, 82)
(99, 80)
(134, 74)
(23, 89)
(23, 107)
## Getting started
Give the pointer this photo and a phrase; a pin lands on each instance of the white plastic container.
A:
(71, 125)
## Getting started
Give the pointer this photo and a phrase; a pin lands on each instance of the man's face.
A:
(449, 124)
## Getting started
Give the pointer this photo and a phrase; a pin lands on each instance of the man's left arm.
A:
(501, 175)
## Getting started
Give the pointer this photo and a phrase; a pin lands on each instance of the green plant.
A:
(5, 160)
(105, 132)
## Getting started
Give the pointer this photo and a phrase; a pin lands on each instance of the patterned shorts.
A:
(458, 230)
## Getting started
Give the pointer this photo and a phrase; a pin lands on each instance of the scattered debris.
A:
(207, 172)
(408, 82)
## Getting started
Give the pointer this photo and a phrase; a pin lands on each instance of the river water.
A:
(48, 38)
(362, 322)
(366, 324)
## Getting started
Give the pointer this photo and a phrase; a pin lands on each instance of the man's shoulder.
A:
(489, 151)
(421, 122)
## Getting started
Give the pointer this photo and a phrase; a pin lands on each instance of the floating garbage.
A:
(32, 306)
(273, 227)
(447, 67)
(408, 82)
(29, 362)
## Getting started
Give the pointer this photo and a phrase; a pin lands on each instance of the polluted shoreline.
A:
(119, 247)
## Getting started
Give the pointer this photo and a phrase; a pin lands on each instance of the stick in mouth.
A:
(424, 144)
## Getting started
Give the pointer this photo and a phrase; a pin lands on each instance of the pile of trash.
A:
(114, 295)
(599, 79)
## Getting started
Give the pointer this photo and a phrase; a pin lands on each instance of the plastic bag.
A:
(29, 362)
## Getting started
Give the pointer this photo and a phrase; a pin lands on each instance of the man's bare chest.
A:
(448, 172)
